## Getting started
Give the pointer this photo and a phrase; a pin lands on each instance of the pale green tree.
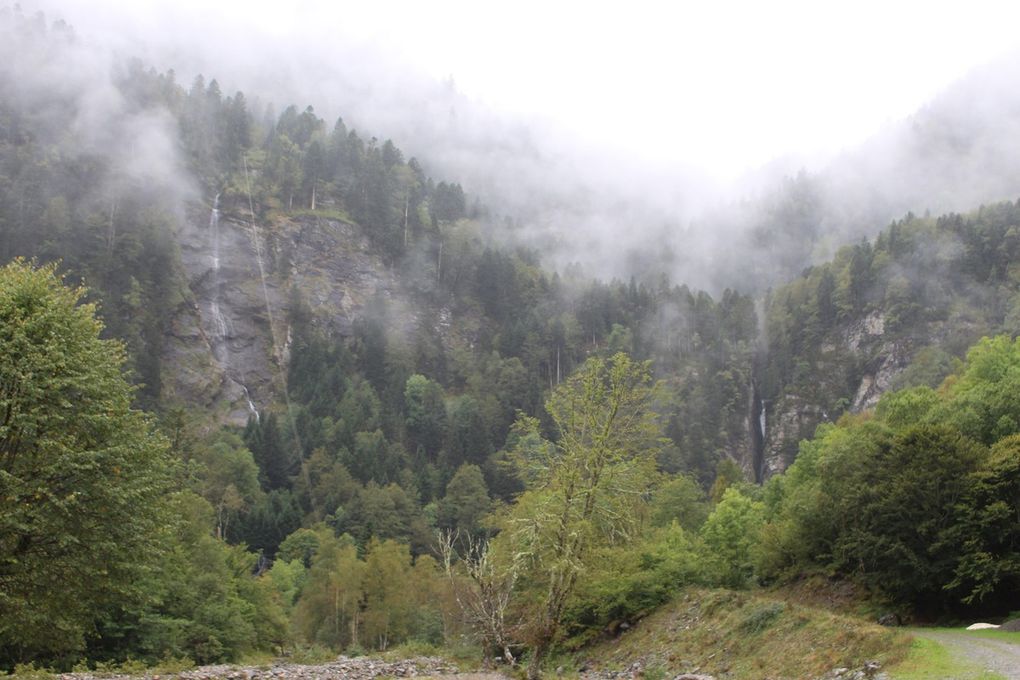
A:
(732, 535)
(328, 610)
(388, 601)
(586, 491)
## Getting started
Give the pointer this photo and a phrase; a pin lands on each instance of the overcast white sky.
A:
(722, 85)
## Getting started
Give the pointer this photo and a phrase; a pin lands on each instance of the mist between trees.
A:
(486, 452)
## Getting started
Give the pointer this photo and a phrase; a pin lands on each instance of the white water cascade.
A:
(251, 404)
(221, 346)
(214, 303)
(761, 421)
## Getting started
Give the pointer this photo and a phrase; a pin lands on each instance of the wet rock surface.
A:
(228, 342)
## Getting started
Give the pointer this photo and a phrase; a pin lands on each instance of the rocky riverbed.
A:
(343, 668)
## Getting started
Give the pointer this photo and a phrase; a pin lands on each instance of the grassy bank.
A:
(747, 636)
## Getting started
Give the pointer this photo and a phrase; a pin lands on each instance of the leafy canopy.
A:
(82, 475)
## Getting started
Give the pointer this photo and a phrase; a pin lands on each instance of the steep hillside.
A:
(740, 635)
(166, 224)
(229, 343)
(892, 313)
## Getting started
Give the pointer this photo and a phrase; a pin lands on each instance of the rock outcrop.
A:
(850, 371)
(228, 341)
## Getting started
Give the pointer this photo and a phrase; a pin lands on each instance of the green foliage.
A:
(382, 600)
(83, 477)
(286, 579)
(328, 610)
(272, 453)
(586, 490)
(731, 535)
(680, 500)
(990, 565)
(228, 478)
(426, 415)
(762, 617)
(906, 407)
(899, 512)
(466, 502)
(273, 517)
(911, 501)
(300, 546)
(626, 582)
(984, 398)
(209, 607)
(727, 474)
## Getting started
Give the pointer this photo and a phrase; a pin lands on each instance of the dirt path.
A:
(987, 654)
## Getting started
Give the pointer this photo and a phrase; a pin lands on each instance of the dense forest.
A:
(567, 453)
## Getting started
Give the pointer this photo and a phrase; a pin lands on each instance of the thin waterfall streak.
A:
(761, 420)
(272, 334)
(220, 323)
(222, 326)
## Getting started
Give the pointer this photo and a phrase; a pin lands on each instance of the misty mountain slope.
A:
(954, 154)
(103, 167)
(894, 313)
(389, 264)
(215, 221)
(90, 178)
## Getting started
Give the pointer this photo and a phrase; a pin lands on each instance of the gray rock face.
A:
(863, 355)
(790, 421)
(228, 344)
(861, 331)
(892, 359)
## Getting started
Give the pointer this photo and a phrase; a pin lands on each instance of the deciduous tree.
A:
(83, 476)
(585, 491)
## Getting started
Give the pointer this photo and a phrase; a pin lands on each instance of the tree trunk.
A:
(538, 653)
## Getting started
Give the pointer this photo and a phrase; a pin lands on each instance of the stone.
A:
(891, 619)
(1011, 626)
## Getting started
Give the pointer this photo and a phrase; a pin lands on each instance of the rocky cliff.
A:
(228, 343)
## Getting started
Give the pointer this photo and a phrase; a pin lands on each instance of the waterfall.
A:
(756, 430)
(220, 344)
(220, 339)
(761, 421)
(251, 404)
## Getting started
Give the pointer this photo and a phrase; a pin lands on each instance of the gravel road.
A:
(994, 655)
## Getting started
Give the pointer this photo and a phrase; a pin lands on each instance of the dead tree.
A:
(484, 596)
